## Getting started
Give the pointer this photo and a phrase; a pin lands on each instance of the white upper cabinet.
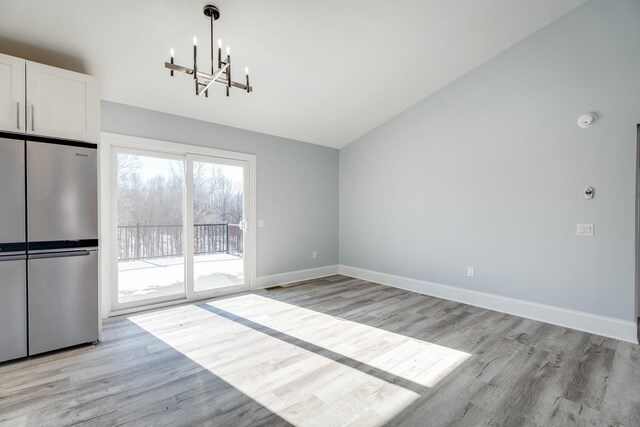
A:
(12, 89)
(61, 103)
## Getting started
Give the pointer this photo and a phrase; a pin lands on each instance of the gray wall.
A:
(489, 172)
(297, 183)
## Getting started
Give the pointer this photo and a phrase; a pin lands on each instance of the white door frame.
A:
(106, 211)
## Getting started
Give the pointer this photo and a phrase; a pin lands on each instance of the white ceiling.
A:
(324, 72)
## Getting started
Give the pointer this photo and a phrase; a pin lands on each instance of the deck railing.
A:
(136, 242)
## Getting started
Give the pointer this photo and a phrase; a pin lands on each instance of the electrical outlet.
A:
(262, 222)
(585, 230)
(314, 254)
(470, 272)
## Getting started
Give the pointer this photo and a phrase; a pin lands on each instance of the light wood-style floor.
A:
(330, 352)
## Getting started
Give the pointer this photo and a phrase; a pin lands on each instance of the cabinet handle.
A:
(18, 114)
(33, 120)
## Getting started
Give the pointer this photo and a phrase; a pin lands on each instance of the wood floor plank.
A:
(334, 351)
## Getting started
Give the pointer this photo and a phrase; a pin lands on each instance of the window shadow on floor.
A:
(321, 351)
(131, 377)
(507, 353)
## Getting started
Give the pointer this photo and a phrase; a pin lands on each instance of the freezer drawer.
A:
(13, 308)
(11, 194)
(62, 192)
(63, 300)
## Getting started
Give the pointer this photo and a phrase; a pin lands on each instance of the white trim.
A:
(261, 283)
(582, 321)
(295, 276)
(104, 233)
(188, 231)
(103, 247)
(176, 147)
(213, 294)
(106, 212)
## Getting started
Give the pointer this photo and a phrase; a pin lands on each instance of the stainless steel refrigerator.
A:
(48, 293)
(13, 259)
(62, 238)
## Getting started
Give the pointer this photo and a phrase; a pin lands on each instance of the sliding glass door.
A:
(218, 212)
(180, 227)
(150, 222)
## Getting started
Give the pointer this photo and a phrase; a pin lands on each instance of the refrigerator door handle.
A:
(13, 258)
(59, 254)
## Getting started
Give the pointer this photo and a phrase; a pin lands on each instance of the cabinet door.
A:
(12, 107)
(61, 103)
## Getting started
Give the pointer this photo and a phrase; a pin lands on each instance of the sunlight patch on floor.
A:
(302, 386)
(415, 360)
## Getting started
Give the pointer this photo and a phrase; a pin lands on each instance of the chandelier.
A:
(221, 74)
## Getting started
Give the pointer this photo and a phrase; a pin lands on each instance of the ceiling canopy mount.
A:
(211, 11)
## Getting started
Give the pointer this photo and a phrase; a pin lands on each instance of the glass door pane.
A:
(150, 227)
(218, 214)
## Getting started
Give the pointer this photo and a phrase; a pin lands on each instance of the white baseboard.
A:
(592, 323)
(295, 276)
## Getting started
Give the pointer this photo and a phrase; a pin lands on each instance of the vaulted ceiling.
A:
(324, 72)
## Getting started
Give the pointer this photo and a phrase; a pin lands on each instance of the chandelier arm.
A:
(213, 79)
(221, 80)
(206, 89)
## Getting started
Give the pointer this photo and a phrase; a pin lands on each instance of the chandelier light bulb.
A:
(246, 70)
(228, 50)
(219, 43)
(195, 41)
(173, 52)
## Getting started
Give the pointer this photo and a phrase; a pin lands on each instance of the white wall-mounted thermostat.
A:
(587, 120)
(589, 192)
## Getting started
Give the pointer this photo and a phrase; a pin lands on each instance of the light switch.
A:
(262, 223)
(585, 230)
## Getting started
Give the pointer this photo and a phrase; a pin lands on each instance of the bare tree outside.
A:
(148, 200)
(217, 198)
(158, 200)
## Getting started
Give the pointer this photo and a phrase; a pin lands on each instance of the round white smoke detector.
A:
(587, 120)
